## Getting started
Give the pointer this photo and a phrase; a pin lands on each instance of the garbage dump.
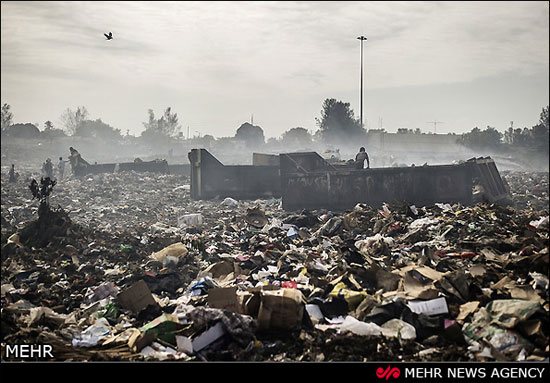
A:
(132, 268)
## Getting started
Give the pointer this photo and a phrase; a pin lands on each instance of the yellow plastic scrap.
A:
(352, 297)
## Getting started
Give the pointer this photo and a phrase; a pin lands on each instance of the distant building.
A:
(413, 143)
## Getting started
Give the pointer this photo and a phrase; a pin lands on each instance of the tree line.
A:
(534, 139)
(337, 125)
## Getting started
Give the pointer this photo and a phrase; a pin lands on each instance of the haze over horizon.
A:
(216, 64)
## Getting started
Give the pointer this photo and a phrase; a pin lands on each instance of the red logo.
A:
(388, 372)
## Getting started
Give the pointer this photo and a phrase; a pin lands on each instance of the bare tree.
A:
(72, 120)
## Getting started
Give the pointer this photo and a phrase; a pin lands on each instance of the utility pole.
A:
(435, 124)
(362, 38)
(252, 119)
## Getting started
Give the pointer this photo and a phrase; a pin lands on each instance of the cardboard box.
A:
(137, 297)
(223, 298)
(283, 308)
(138, 340)
(249, 302)
(272, 306)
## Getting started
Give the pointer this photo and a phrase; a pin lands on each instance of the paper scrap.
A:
(431, 307)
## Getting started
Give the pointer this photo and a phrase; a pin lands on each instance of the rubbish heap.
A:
(143, 272)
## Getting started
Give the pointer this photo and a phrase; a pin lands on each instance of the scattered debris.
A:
(132, 268)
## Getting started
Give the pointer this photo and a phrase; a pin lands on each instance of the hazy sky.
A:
(465, 64)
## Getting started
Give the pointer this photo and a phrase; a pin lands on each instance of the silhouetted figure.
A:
(109, 36)
(47, 168)
(61, 168)
(13, 175)
(77, 162)
(360, 159)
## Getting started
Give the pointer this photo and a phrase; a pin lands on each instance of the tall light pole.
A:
(362, 38)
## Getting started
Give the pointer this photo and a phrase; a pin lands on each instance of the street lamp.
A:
(362, 38)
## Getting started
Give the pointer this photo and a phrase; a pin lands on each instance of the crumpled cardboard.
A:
(272, 306)
(174, 250)
(509, 312)
(282, 308)
(224, 298)
(137, 297)
(139, 340)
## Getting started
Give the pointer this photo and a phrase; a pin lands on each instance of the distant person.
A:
(360, 159)
(13, 175)
(47, 168)
(77, 162)
(61, 168)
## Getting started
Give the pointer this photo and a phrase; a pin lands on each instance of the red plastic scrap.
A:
(289, 284)
(467, 255)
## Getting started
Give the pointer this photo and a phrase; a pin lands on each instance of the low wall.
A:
(140, 167)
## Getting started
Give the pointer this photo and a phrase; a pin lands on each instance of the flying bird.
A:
(109, 36)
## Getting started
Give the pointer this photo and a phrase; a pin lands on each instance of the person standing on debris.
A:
(360, 159)
(47, 168)
(76, 160)
(61, 168)
(12, 174)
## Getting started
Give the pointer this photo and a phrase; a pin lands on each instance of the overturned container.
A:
(309, 182)
(212, 179)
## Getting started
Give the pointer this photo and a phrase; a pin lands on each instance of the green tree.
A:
(166, 126)
(7, 117)
(338, 123)
(27, 130)
(98, 129)
(50, 132)
(489, 138)
(253, 135)
(543, 119)
(540, 133)
(297, 137)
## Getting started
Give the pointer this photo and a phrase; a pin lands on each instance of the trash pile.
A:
(528, 189)
(145, 273)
